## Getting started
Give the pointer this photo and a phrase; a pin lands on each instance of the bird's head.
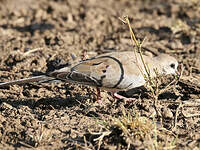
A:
(167, 64)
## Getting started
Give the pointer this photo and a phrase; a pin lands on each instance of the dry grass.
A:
(135, 131)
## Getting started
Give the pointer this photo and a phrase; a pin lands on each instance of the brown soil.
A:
(39, 36)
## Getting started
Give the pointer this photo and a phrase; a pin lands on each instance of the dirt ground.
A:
(40, 36)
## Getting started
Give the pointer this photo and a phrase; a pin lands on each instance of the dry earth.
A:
(40, 36)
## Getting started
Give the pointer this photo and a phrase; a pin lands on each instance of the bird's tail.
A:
(42, 78)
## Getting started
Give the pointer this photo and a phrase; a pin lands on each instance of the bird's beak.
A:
(177, 73)
(179, 70)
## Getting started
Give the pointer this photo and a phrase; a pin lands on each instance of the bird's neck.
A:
(154, 69)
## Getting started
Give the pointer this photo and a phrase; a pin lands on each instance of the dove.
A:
(113, 72)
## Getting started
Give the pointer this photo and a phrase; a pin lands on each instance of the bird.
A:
(113, 72)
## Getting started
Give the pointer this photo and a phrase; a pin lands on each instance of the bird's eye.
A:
(172, 66)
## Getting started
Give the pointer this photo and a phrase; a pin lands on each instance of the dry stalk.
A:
(101, 134)
(152, 84)
(138, 44)
(176, 114)
(32, 51)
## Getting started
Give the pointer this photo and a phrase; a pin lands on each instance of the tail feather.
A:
(26, 80)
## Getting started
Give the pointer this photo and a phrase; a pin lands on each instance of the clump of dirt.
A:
(41, 36)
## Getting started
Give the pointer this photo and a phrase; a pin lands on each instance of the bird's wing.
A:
(92, 72)
(113, 70)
